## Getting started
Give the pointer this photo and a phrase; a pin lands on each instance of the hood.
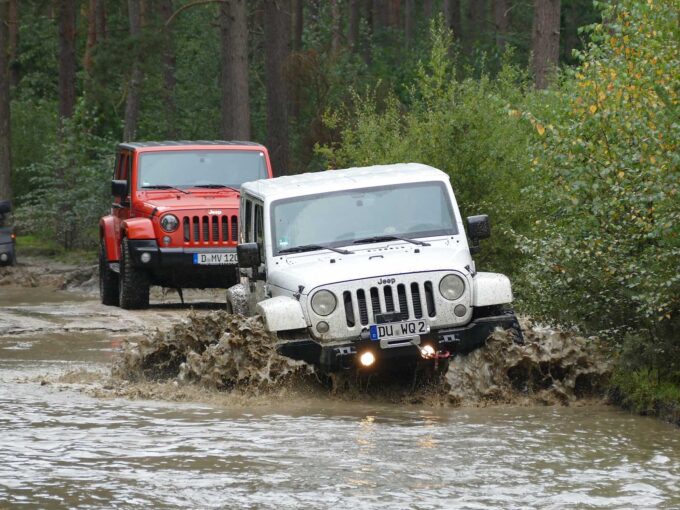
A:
(317, 269)
(176, 201)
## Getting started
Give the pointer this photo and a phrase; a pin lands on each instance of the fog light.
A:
(322, 327)
(4, 257)
(367, 359)
(145, 258)
(427, 351)
(460, 310)
(166, 240)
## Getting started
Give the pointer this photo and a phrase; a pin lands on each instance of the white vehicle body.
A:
(374, 281)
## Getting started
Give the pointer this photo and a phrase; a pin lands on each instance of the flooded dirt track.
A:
(61, 446)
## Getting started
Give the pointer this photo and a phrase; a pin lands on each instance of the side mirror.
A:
(248, 255)
(478, 228)
(119, 188)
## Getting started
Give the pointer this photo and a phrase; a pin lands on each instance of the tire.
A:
(133, 284)
(108, 280)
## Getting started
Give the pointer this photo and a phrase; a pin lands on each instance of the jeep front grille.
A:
(367, 303)
(210, 229)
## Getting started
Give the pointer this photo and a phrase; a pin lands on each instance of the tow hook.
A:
(428, 352)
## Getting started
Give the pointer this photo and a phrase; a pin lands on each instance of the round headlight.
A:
(323, 303)
(169, 223)
(452, 287)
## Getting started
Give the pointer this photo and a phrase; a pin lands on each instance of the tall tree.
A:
(336, 21)
(409, 21)
(277, 41)
(136, 74)
(297, 20)
(67, 58)
(545, 40)
(427, 9)
(169, 62)
(235, 99)
(501, 22)
(452, 15)
(91, 41)
(13, 42)
(354, 20)
(5, 138)
(476, 23)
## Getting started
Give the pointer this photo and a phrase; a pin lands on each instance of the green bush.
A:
(606, 251)
(70, 187)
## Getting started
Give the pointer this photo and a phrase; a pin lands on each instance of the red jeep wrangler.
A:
(174, 219)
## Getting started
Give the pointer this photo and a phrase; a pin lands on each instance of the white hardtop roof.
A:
(335, 180)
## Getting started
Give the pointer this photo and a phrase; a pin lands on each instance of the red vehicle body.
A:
(174, 219)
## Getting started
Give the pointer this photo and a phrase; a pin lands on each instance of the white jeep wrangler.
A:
(366, 267)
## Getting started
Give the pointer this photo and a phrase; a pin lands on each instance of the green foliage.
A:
(70, 188)
(465, 127)
(606, 251)
(644, 392)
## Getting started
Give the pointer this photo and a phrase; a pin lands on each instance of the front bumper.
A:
(175, 267)
(460, 340)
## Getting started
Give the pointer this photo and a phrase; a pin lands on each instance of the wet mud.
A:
(229, 352)
(42, 273)
(214, 350)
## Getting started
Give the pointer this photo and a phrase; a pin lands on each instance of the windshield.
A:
(340, 218)
(186, 169)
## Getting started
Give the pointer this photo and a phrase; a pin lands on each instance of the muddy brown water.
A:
(62, 445)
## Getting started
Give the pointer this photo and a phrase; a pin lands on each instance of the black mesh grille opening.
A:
(206, 233)
(389, 299)
(234, 228)
(197, 231)
(403, 302)
(429, 299)
(363, 310)
(375, 301)
(349, 311)
(225, 228)
(215, 228)
(417, 305)
(186, 229)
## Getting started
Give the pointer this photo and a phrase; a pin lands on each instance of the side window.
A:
(116, 167)
(248, 221)
(259, 227)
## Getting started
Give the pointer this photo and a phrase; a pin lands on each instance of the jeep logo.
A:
(386, 281)
(214, 212)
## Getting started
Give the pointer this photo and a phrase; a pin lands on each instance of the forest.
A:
(558, 118)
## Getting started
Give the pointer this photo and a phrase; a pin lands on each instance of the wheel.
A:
(133, 284)
(108, 280)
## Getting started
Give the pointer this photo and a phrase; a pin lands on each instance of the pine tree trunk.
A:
(394, 13)
(91, 41)
(452, 15)
(409, 21)
(545, 40)
(476, 16)
(235, 101)
(501, 21)
(169, 61)
(13, 41)
(136, 75)
(335, 26)
(277, 40)
(427, 9)
(354, 20)
(67, 58)
(298, 19)
(5, 138)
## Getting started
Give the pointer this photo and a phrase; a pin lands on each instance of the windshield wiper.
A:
(165, 186)
(313, 247)
(379, 239)
(216, 186)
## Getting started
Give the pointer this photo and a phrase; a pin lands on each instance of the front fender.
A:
(107, 232)
(138, 228)
(281, 313)
(491, 289)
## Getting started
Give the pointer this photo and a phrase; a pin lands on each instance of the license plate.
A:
(399, 329)
(215, 259)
